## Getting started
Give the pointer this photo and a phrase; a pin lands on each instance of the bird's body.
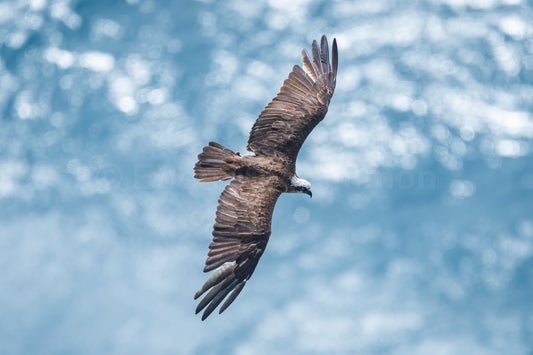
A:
(243, 222)
(250, 166)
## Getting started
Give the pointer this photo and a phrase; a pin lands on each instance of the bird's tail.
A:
(216, 162)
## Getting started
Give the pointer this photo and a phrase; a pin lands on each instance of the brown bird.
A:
(244, 213)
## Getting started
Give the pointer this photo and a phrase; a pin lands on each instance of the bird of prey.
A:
(244, 214)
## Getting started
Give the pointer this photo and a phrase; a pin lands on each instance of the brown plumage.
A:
(244, 215)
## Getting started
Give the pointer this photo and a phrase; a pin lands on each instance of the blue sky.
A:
(419, 236)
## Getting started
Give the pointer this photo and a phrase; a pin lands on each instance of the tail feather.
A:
(215, 163)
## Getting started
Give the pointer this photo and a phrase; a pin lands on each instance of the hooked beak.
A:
(309, 193)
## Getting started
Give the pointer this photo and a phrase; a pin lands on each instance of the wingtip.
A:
(334, 57)
(204, 315)
(197, 294)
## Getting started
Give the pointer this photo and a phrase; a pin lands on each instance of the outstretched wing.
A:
(240, 235)
(300, 105)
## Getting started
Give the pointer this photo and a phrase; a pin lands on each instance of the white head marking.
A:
(298, 182)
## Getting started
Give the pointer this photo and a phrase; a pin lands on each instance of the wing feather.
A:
(219, 248)
(324, 55)
(308, 66)
(316, 57)
(334, 57)
(218, 296)
(232, 296)
(300, 105)
(240, 235)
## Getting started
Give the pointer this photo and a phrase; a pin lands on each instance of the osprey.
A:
(244, 213)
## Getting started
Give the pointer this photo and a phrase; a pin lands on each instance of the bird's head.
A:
(300, 185)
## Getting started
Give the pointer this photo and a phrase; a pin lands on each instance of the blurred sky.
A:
(419, 237)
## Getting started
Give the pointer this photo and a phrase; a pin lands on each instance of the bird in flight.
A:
(244, 214)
